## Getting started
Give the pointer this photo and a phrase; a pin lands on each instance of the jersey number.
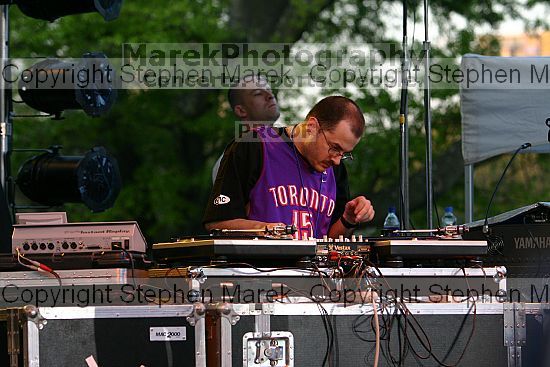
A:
(302, 220)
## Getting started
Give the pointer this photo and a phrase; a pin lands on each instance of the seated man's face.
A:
(258, 103)
(328, 146)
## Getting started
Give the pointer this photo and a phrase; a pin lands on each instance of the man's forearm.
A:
(338, 229)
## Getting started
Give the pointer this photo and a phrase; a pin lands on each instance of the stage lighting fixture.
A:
(52, 179)
(53, 86)
(52, 9)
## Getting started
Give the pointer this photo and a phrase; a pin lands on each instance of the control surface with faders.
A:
(77, 237)
(268, 249)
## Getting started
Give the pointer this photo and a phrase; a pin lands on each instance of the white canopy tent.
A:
(506, 106)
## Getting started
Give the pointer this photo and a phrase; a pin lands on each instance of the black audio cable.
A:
(521, 147)
(404, 325)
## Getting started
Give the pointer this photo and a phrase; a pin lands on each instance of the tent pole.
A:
(404, 130)
(468, 193)
(428, 122)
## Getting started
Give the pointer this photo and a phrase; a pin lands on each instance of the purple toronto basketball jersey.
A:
(290, 191)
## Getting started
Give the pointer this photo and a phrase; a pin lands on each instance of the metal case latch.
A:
(268, 349)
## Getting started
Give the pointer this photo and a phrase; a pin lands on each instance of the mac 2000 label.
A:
(167, 333)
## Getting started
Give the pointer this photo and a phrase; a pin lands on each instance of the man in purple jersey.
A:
(293, 175)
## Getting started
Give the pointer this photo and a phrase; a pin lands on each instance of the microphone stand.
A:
(428, 121)
(404, 130)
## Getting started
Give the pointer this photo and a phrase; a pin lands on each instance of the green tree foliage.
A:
(166, 141)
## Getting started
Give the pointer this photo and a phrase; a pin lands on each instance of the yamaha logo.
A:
(532, 242)
(222, 199)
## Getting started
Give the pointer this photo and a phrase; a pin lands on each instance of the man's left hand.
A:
(358, 210)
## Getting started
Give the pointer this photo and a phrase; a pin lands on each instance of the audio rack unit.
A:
(78, 237)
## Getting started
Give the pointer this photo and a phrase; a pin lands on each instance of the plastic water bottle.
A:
(448, 219)
(391, 222)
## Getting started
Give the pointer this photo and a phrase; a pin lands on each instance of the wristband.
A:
(347, 224)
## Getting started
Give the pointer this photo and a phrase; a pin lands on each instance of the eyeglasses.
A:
(336, 152)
